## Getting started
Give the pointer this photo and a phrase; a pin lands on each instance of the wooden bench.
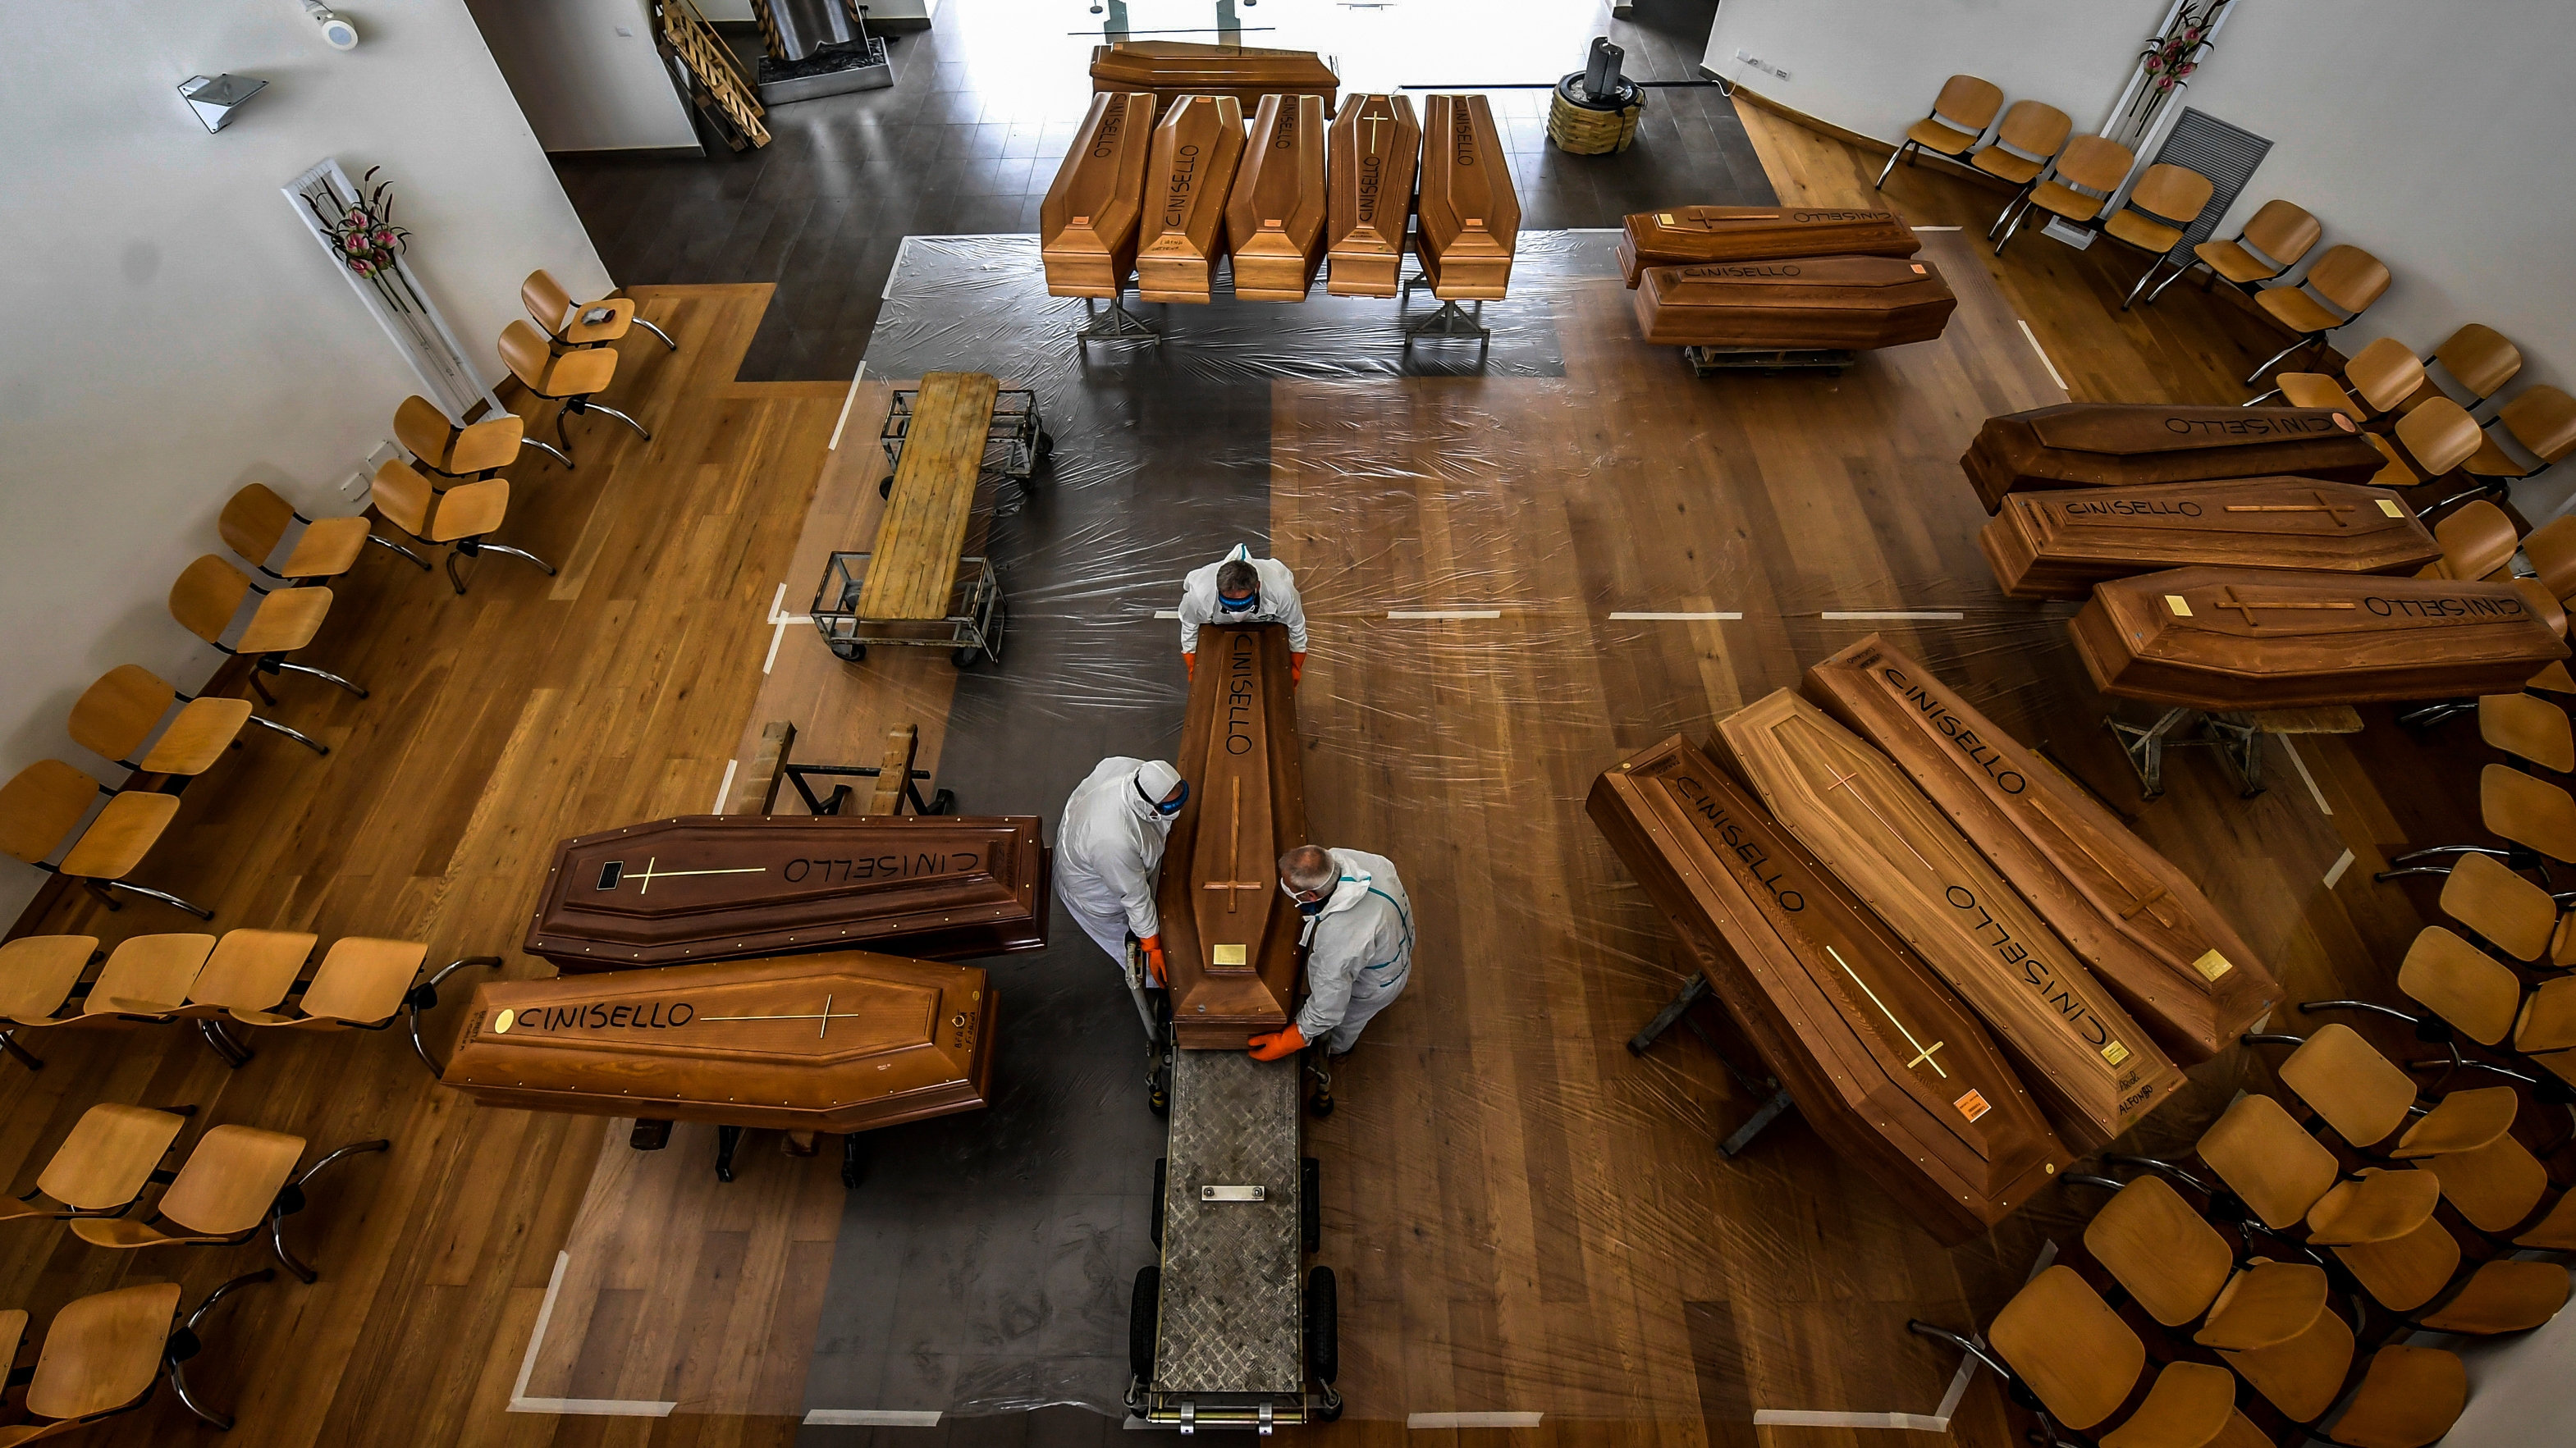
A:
(1274, 220)
(1376, 151)
(1087, 225)
(1196, 150)
(1172, 69)
(1471, 215)
(911, 578)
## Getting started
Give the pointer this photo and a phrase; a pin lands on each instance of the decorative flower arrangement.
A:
(2169, 59)
(365, 238)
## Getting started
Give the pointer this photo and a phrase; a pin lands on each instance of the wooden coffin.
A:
(1229, 935)
(723, 887)
(848, 1041)
(2059, 544)
(2148, 934)
(2241, 638)
(2091, 1066)
(2127, 444)
(1196, 150)
(1696, 235)
(1884, 1060)
(1377, 149)
(1471, 216)
(1852, 302)
(1172, 69)
(1087, 226)
(1274, 220)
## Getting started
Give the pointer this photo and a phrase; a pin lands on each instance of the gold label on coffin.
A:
(1227, 955)
(2115, 1053)
(2175, 601)
(501, 1023)
(1972, 1105)
(2389, 506)
(1664, 218)
(2213, 965)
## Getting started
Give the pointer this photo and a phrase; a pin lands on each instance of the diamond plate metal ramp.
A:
(1232, 1313)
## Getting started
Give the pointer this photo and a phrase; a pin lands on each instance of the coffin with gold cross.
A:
(1229, 934)
(1376, 152)
(721, 887)
(1692, 235)
(2149, 935)
(2242, 638)
(2131, 444)
(2059, 544)
(845, 1041)
(1883, 1058)
(2093, 1069)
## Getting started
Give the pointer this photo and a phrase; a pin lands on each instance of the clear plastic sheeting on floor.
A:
(1521, 562)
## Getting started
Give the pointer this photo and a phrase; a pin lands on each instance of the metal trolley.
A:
(973, 626)
(1220, 1333)
(1016, 442)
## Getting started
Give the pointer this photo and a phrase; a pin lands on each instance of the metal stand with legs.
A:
(1115, 325)
(1776, 1097)
(476, 548)
(2236, 738)
(1450, 320)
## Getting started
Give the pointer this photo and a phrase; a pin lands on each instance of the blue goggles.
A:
(1245, 604)
(1166, 806)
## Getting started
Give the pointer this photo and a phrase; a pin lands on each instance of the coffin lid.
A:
(2117, 427)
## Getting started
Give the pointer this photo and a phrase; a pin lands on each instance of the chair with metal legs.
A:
(2344, 283)
(361, 984)
(2542, 422)
(1957, 120)
(2381, 376)
(236, 1180)
(115, 716)
(477, 450)
(45, 803)
(256, 521)
(570, 324)
(571, 379)
(2078, 186)
(2030, 137)
(110, 1157)
(103, 1354)
(210, 591)
(2478, 357)
(462, 519)
(2535, 818)
(38, 977)
(2161, 207)
(2273, 241)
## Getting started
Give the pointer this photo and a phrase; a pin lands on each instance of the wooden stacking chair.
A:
(2504, 1294)
(2432, 441)
(2304, 1376)
(250, 970)
(564, 320)
(2161, 207)
(2272, 1169)
(2178, 1267)
(146, 978)
(2338, 289)
(236, 1179)
(1956, 122)
(102, 1354)
(2478, 541)
(2381, 376)
(2366, 1098)
(2499, 907)
(104, 1163)
(2028, 140)
(2274, 239)
(116, 715)
(477, 450)
(2479, 358)
(210, 591)
(44, 804)
(2528, 728)
(2059, 1343)
(257, 520)
(573, 380)
(2542, 422)
(38, 974)
(2079, 184)
(2409, 1397)
(462, 519)
(361, 984)
(2495, 1188)
(2533, 815)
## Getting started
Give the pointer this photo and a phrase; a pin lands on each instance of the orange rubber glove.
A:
(1296, 670)
(1192, 660)
(1281, 1043)
(1152, 947)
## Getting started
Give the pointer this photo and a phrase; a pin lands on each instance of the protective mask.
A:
(1166, 807)
(1308, 908)
(1245, 604)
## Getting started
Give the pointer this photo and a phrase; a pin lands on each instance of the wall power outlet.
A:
(1758, 63)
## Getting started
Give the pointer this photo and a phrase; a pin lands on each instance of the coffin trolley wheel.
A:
(1323, 1343)
(848, 651)
(1162, 1165)
(1310, 1202)
(1143, 1309)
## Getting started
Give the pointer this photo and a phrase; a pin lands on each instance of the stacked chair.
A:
(461, 519)
(570, 379)
(2276, 237)
(1956, 123)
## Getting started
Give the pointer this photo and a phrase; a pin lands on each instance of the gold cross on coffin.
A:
(1922, 1052)
(1234, 852)
(2230, 600)
(1374, 123)
(650, 874)
(2334, 511)
(826, 1016)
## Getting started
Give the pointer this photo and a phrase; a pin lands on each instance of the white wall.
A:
(2517, 1387)
(2421, 133)
(584, 86)
(172, 331)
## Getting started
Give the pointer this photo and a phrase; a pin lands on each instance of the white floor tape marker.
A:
(2342, 863)
(1417, 613)
(1472, 1420)
(520, 1402)
(724, 791)
(1170, 613)
(872, 1418)
(1938, 1421)
(1891, 613)
(1936, 228)
(2314, 793)
(778, 626)
(2043, 357)
(852, 396)
(1671, 617)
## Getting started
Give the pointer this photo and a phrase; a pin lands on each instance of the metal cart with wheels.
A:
(1016, 443)
(972, 628)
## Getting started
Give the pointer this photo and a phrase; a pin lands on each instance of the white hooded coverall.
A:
(1106, 852)
(1278, 604)
(1360, 951)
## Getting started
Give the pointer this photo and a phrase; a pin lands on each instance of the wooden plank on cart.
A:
(914, 569)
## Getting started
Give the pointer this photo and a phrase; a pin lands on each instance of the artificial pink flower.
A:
(356, 242)
(363, 267)
(384, 238)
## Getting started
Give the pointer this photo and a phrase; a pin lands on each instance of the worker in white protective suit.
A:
(1240, 588)
(1358, 939)
(1106, 852)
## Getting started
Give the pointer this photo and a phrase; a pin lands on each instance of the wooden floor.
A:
(1526, 1218)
